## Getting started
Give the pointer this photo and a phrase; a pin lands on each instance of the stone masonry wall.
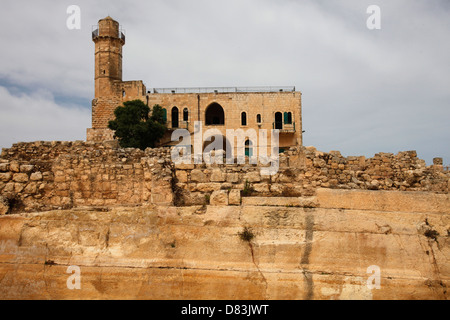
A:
(303, 170)
(51, 175)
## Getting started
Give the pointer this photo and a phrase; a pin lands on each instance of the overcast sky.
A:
(364, 91)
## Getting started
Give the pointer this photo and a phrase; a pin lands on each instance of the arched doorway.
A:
(174, 117)
(224, 145)
(214, 115)
(278, 120)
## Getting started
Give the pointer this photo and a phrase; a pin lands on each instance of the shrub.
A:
(246, 235)
(248, 189)
(133, 126)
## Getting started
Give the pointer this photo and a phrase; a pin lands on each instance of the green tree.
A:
(133, 126)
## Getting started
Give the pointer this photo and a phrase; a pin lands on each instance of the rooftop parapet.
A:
(224, 89)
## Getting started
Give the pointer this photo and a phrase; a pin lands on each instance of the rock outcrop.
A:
(94, 221)
(322, 250)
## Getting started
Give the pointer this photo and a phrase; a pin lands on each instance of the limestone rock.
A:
(36, 176)
(299, 253)
(4, 167)
(5, 177)
(26, 168)
(198, 176)
(252, 177)
(14, 166)
(181, 176)
(219, 198)
(234, 198)
(218, 176)
(20, 177)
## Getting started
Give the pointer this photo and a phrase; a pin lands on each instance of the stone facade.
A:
(274, 108)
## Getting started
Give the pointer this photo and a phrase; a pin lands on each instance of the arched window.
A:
(243, 119)
(185, 114)
(248, 148)
(174, 117)
(258, 118)
(214, 115)
(278, 120)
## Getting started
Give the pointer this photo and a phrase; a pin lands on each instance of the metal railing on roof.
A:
(224, 89)
(96, 34)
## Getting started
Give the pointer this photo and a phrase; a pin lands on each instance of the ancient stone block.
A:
(219, 198)
(14, 166)
(234, 197)
(208, 187)
(283, 178)
(197, 176)
(26, 168)
(36, 176)
(9, 187)
(18, 187)
(4, 167)
(6, 176)
(252, 177)
(438, 161)
(276, 188)
(20, 177)
(218, 176)
(31, 188)
(181, 176)
(233, 177)
(184, 166)
(261, 187)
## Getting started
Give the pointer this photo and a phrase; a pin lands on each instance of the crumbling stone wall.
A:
(303, 170)
(49, 175)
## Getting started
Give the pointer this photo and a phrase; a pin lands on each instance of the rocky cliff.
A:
(327, 246)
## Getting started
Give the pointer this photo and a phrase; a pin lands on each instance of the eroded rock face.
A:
(317, 228)
(297, 252)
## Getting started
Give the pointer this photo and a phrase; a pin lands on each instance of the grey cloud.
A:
(363, 91)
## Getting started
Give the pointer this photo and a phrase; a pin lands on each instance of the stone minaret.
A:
(108, 41)
(108, 57)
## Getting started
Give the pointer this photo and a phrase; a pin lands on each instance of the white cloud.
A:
(36, 116)
(363, 91)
